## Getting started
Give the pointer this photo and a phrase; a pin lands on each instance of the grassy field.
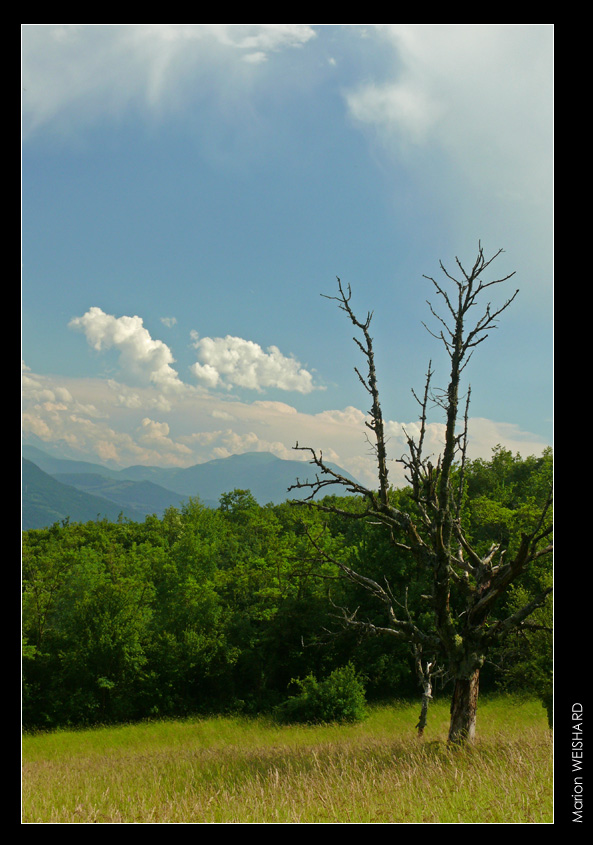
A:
(251, 771)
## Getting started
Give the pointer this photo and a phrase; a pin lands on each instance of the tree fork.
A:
(465, 584)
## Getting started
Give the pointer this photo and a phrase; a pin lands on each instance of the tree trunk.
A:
(464, 705)
(425, 678)
(426, 698)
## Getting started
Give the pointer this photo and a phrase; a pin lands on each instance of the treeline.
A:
(218, 610)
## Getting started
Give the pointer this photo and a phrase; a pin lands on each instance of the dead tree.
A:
(465, 586)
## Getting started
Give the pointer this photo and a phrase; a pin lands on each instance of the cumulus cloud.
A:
(130, 398)
(141, 358)
(234, 362)
(222, 362)
(156, 435)
(42, 393)
(349, 416)
(35, 390)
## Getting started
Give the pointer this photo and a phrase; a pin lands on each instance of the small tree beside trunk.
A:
(465, 585)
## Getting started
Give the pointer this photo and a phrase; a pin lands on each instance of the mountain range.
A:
(54, 489)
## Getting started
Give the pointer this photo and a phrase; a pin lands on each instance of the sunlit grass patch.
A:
(236, 770)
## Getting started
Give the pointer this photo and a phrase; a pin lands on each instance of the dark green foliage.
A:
(208, 609)
(525, 662)
(338, 698)
(504, 498)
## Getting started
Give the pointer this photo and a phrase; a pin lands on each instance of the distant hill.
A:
(52, 465)
(267, 476)
(143, 496)
(45, 501)
(141, 490)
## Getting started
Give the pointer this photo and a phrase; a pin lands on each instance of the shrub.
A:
(338, 698)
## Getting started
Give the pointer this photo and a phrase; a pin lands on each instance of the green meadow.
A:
(239, 770)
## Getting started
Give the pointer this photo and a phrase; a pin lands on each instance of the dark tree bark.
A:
(459, 637)
(464, 708)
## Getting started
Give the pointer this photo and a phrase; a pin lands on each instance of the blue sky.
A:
(189, 191)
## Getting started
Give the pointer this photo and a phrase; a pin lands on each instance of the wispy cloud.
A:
(467, 108)
(77, 73)
(482, 91)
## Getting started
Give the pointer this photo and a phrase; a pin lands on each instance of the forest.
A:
(226, 609)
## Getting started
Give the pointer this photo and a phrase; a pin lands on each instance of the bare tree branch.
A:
(433, 534)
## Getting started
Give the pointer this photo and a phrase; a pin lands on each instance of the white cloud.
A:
(255, 58)
(269, 37)
(95, 425)
(140, 357)
(481, 91)
(396, 109)
(235, 362)
(227, 363)
(349, 416)
(152, 430)
(485, 434)
(467, 109)
(76, 73)
(206, 374)
(130, 398)
(155, 435)
(43, 393)
(274, 407)
(222, 415)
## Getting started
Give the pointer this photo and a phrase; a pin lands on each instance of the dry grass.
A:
(234, 771)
